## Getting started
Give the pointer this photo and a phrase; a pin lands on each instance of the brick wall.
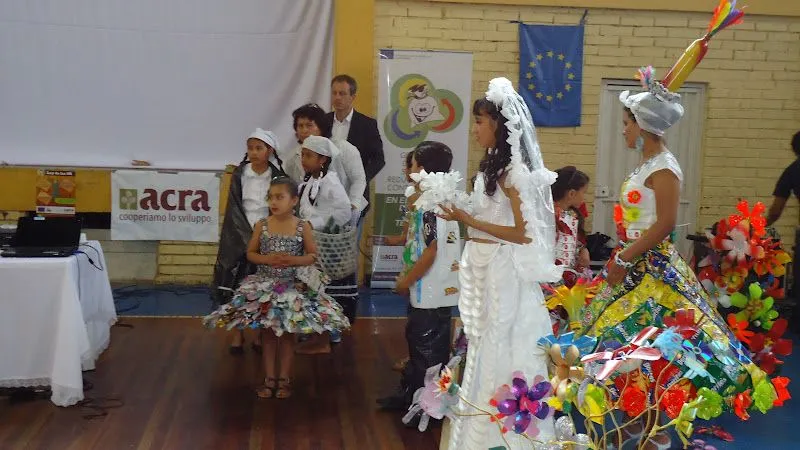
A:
(753, 95)
(752, 71)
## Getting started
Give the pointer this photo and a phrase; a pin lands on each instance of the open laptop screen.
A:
(48, 232)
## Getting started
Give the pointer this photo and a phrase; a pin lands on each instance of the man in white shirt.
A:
(308, 121)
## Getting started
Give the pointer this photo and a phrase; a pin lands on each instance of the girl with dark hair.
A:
(250, 182)
(568, 195)
(285, 296)
(324, 203)
(508, 255)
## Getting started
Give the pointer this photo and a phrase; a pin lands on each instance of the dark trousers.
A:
(345, 292)
(428, 338)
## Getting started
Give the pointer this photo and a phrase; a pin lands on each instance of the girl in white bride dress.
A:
(510, 251)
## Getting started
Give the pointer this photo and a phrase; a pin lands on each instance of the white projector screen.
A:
(178, 83)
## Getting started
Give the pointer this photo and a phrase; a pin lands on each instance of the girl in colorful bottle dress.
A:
(647, 282)
(285, 296)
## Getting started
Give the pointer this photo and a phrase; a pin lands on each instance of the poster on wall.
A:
(55, 192)
(422, 96)
(156, 206)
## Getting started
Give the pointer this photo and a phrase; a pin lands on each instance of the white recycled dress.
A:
(504, 317)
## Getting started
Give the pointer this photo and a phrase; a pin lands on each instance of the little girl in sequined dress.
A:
(286, 296)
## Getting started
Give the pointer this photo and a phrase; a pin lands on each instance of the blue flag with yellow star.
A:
(551, 73)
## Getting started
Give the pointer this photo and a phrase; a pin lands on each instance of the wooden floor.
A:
(182, 390)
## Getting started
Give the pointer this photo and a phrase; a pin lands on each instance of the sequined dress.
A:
(283, 299)
(660, 284)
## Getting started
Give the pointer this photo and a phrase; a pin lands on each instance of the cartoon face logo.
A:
(422, 107)
(417, 108)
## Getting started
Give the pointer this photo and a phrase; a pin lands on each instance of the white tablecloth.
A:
(56, 320)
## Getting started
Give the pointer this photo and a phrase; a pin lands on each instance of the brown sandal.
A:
(284, 389)
(268, 389)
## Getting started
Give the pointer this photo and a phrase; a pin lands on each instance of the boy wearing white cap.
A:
(322, 196)
(323, 199)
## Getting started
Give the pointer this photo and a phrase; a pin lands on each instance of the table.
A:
(56, 321)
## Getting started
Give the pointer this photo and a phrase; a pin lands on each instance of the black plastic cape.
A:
(232, 265)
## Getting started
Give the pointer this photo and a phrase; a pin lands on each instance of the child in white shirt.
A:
(324, 202)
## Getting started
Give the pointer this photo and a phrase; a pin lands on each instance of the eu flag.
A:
(551, 73)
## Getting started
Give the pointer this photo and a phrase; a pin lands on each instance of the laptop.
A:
(43, 237)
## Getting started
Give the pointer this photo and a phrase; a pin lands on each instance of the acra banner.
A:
(157, 206)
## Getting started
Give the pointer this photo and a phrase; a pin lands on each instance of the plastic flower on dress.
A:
(739, 328)
(591, 401)
(584, 343)
(519, 404)
(437, 397)
(717, 293)
(772, 259)
(445, 381)
(631, 214)
(628, 357)
(673, 401)
(772, 287)
(564, 368)
(733, 277)
(718, 235)
(750, 218)
(767, 346)
(741, 403)
(755, 309)
(670, 342)
(439, 188)
(716, 431)
(683, 322)
(699, 444)
(633, 401)
(684, 423)
(781, 390)
(572, 299)
(634, 197)
(738, 245)
(764, 395)
(619, 220)
(280, 288)
(711, 405)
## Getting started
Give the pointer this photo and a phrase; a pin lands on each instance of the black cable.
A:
(89, 258)
(97, 407)
(96, 252)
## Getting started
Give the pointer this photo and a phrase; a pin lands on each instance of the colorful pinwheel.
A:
(628, 357)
